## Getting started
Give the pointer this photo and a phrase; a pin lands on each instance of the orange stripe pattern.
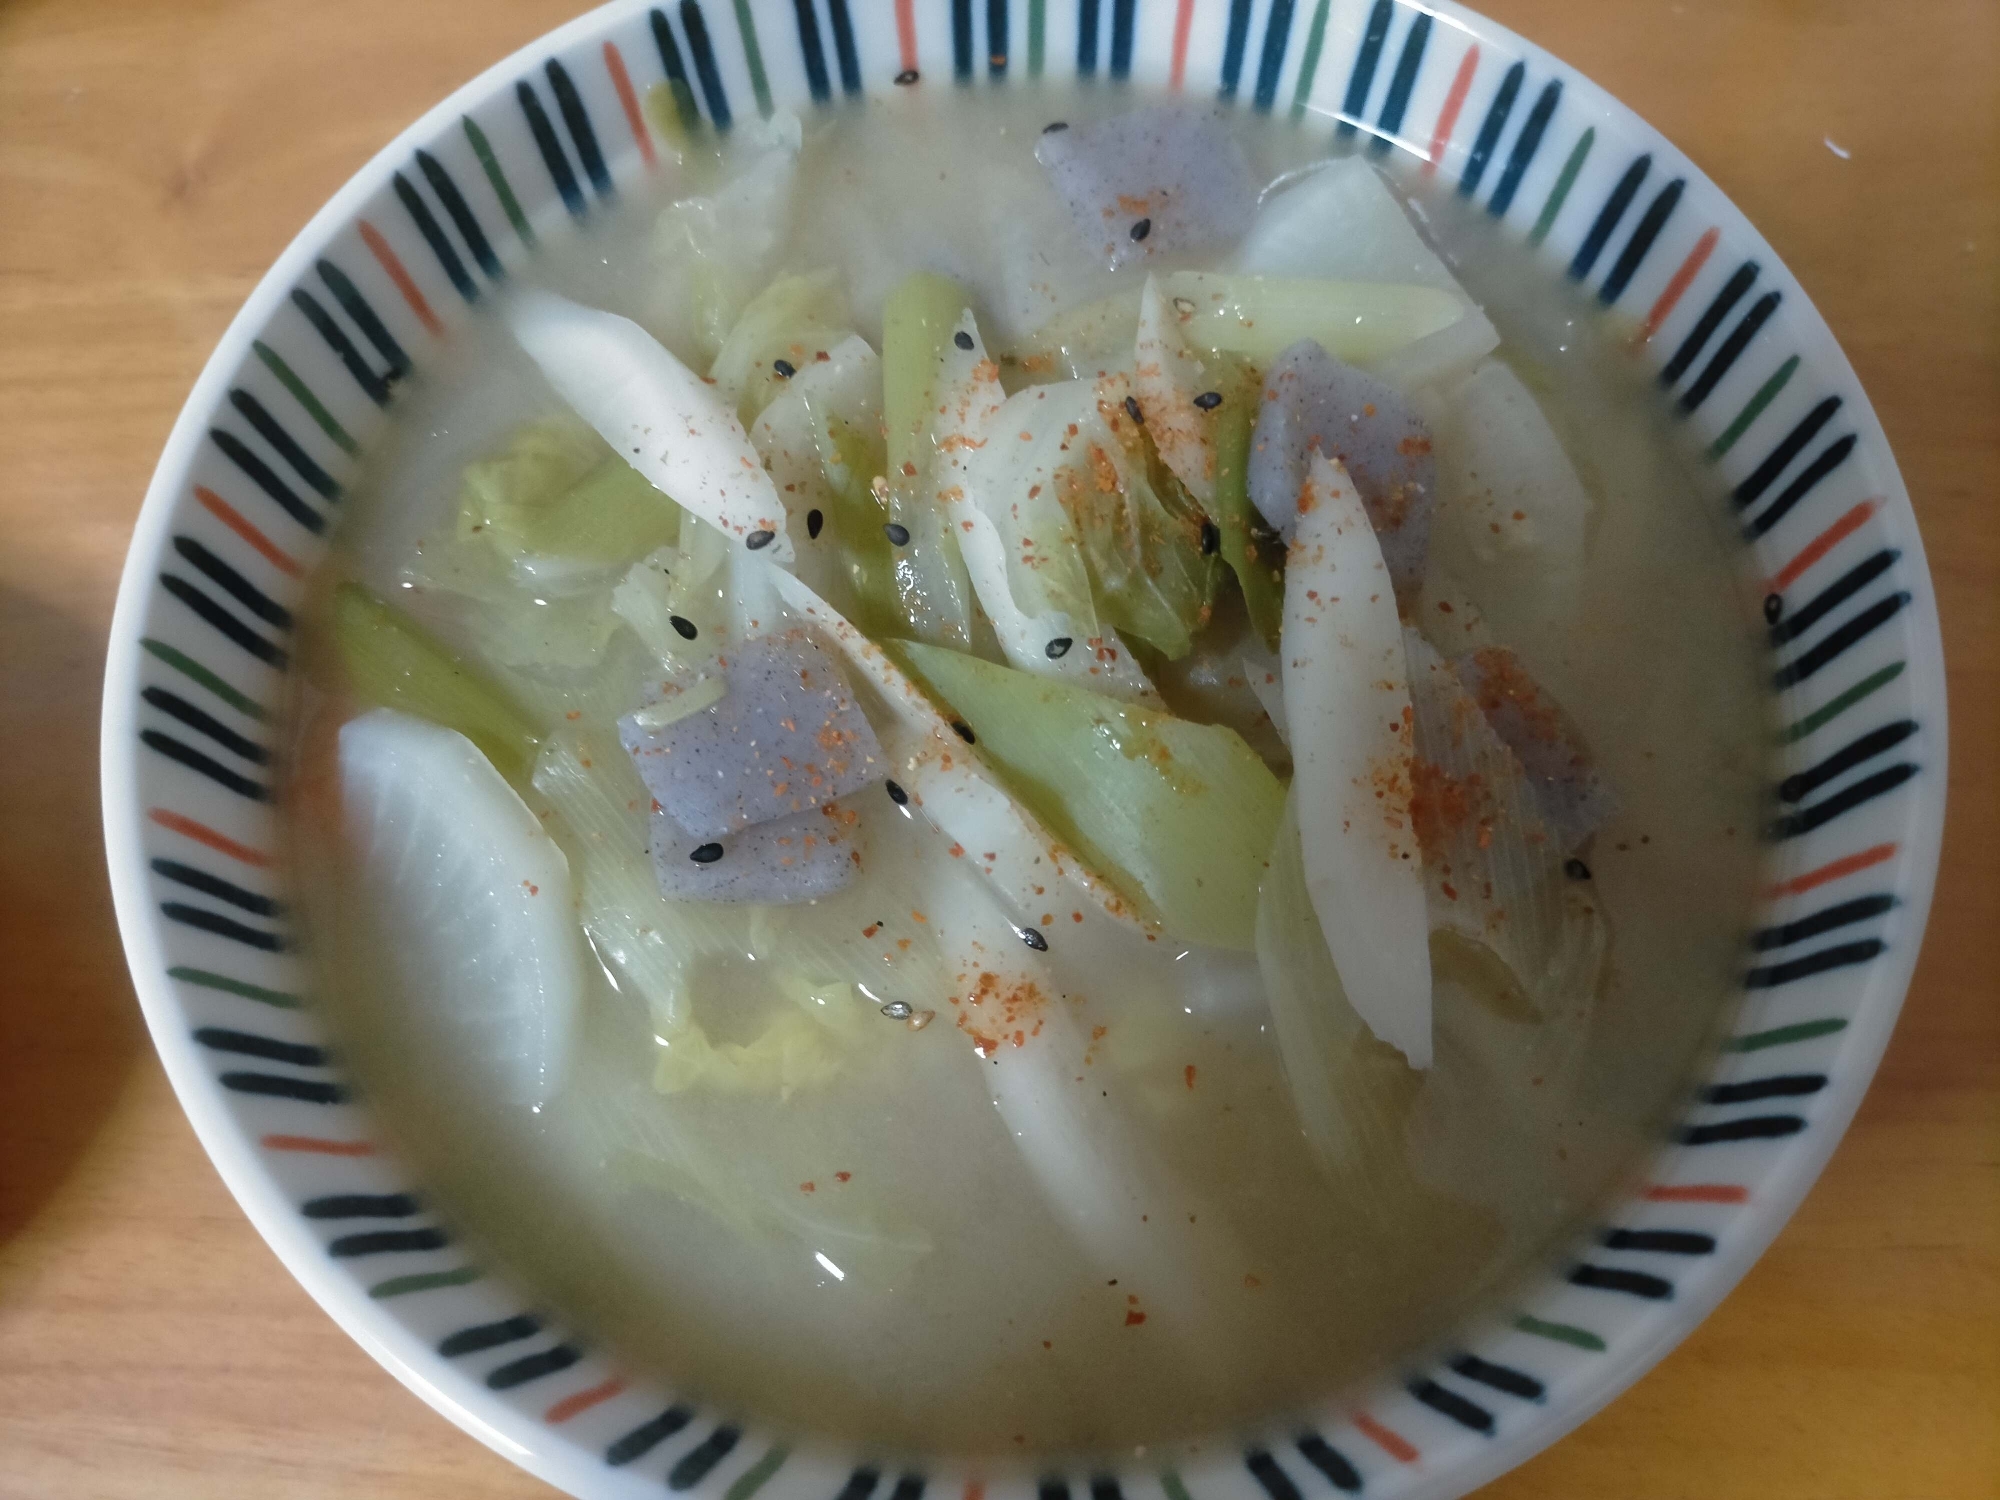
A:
(1800, 884)
(1394, 1444)
(1682, 279)
(1183, 23)
(614, 64)
(386, 257)
(1454, 101)
(313, 1145)
(201, 833)
(596, 1395)
(1824, 543)
(1698, 1192)
(229, 516)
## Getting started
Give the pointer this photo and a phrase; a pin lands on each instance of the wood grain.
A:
(155, 157)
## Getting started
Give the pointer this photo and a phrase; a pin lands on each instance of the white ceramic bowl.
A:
(302, 382)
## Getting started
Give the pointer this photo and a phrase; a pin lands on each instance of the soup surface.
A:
(833, 1191)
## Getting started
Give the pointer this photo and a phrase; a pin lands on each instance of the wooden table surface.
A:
(155, 156)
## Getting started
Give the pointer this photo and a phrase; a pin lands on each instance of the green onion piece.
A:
(391, 661)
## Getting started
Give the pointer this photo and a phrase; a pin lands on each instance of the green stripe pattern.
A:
(758, 1474)
(1752, 409)
(302, 394)
(230, 986)
(1038, 22)
(1565, 180)
(1562, 1333)
(1309, 63)
(1169, 1480)
(1792, 733)
(490, 164)
(188, 667)
(424, 1281)
(1780, 1036)
(753, 57)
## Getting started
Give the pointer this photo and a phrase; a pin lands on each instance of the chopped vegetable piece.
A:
(1000, 469)
(1254, 552)
(797, 858)
(1315, 404)
(1341, 221)
(1151, 182)
(677, 700)
(390, 660)
(1570, 797)
(656, 413)
(1173, 391)
(787, 738)
(784, 329)
(557, 491)
(821, 438)
(1178, 815)
(1513, 515)
(1493, 865)
(1347, 701)
(465, 899)
(1080, 344)
(1258, 316)
(962, 800)
(918, 320)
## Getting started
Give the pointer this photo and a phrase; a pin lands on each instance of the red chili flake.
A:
(1133, 1317)
(843, 1176)
(1188, 1074)
(807, 1187)
(871, 929)
(1252, 1282)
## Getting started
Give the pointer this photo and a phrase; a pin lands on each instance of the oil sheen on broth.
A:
(899, 1279)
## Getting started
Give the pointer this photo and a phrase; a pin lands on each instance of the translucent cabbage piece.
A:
(1484, 1124)
(389, 660)
(1340, 221)
(1314, 403)
(1177, 394)
(1151, 182)
(1000, 468)
(1570, 798)
(1179, 815)
(1253, 551)
(713, 252)
(647, 944)
(918, 320)
(821, 438)
(1150, 571)
(557, 492)
(1347, 700)
(657, 414)
(1257, 316)
(796, 319)
(1493, 867)
(467, 899)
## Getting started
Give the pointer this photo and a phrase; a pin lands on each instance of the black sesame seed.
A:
(1059, 647)
(785, 368)
(758, 540)
(1211, 538)
(898, 1010)
(896, 794)
(1576, 869)
(706, 854)
(964, 731)
(1774, 605)
(907, 77)
(1141, 229)
(962, 339)
(684, 625)
(897, 533)
(814, 520)
(1033, 939)
(1132, 410)
(1208, 400)
(1054, 125)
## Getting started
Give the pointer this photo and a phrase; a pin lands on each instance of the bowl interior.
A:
(247, 492)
